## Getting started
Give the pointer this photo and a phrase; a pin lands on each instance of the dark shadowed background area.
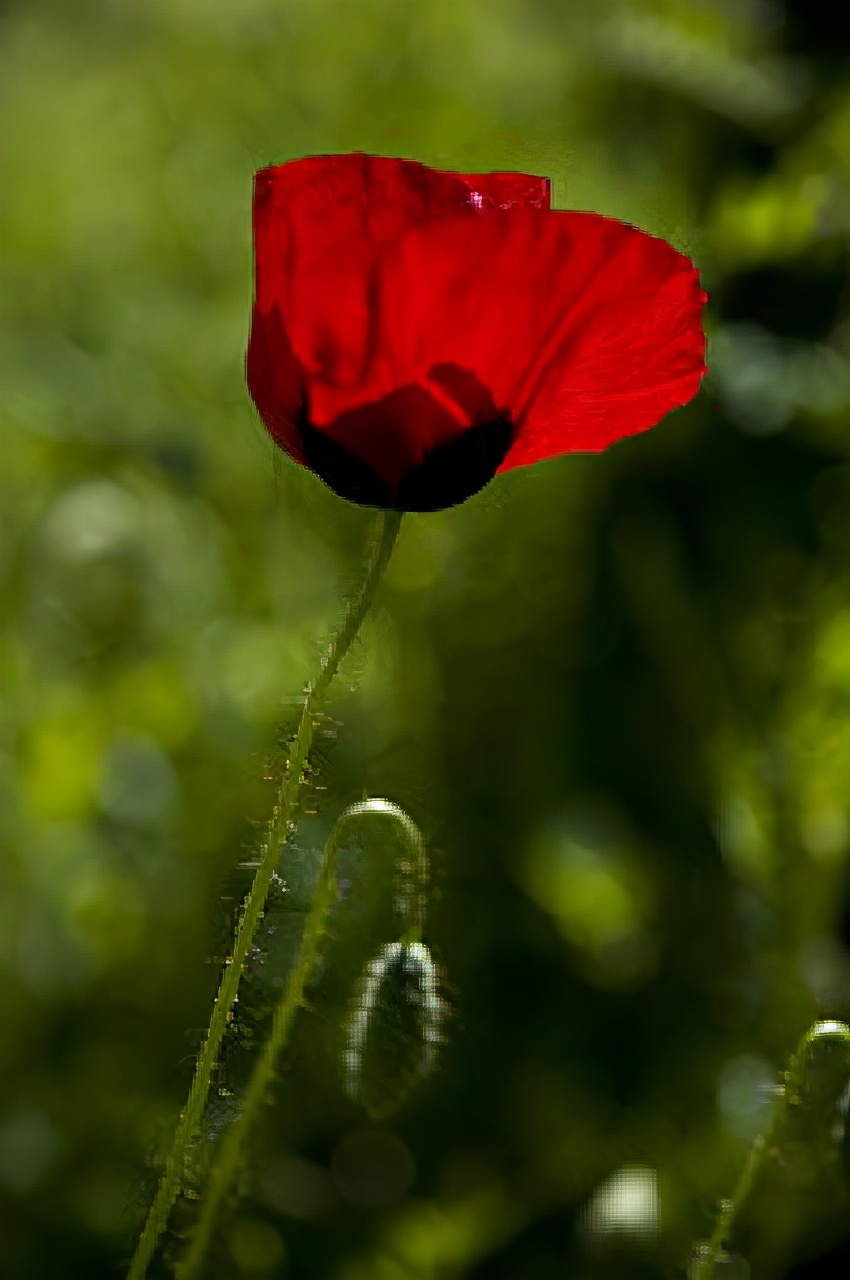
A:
(614, 691)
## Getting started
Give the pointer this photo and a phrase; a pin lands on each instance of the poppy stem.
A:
(280, 829)
(794, 1081)
(226, 1166)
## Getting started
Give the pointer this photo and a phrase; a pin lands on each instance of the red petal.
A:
(320, 225)
(276, 380)
(582, 328)
(488, 192)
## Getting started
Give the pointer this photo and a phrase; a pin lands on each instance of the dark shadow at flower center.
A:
(447, 475)
(454, 472)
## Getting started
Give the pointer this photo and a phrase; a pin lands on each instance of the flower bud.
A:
(395, 1028)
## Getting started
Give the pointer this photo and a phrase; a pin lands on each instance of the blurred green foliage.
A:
(613, 691)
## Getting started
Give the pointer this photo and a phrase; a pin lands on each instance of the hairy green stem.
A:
(714, 1250)
(279, 831)
(226, 1166)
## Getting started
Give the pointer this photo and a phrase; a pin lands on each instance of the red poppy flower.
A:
(416, 331)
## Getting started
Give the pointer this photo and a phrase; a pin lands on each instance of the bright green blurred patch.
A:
(60, 773)
(746, 820)
(775, 220)
(152, 698)
(819, 740)
(601, 900)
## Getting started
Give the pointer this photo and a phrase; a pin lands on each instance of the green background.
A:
(612, 690)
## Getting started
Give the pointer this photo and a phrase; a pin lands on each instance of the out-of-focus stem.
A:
(714, 1250)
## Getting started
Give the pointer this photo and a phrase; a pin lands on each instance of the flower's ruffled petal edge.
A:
(581, 328)
(320, 226)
